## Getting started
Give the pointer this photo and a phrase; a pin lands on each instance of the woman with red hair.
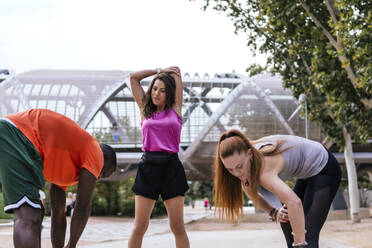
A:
(270, 161)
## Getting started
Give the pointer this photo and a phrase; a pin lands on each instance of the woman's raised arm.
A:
(176, 74)
(135, 85)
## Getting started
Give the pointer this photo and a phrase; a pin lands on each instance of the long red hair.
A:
(228, 193)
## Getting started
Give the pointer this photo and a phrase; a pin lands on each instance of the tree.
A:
(200, 190)
(255, 69)
(321, 49)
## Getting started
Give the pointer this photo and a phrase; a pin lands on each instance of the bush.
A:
(109, 198)
(126, 197)
(187, 201)
(99, 205)
(117, 198)
(127, 206)
(107, 195)
(159, 209)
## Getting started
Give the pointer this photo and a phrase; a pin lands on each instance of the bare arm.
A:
(57, 204)
(135, 85)
(176, 74)
(286, 195)
(279, 215)
(263, 204)
(83, 205)
(139, 94)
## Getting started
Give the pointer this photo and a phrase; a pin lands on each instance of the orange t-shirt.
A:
(63, 145)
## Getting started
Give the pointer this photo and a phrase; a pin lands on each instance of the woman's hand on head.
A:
(172, 70)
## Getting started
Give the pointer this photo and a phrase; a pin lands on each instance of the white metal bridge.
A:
(101, 102)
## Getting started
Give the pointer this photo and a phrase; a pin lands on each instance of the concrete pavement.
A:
(114, 233)
(218, 239)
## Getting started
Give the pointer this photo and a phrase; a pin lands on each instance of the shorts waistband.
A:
(7, 120)
(149, 155)
(161, 153)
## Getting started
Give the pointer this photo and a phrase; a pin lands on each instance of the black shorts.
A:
(160, 173)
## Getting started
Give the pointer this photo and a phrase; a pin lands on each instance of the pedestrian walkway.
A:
(114, 229)
(116, 234)
(213, 239)
(112, 232)
(218, 239)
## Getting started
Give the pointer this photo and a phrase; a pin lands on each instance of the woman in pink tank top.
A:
(160, 172)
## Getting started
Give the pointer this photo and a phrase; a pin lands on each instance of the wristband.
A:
(299, 245)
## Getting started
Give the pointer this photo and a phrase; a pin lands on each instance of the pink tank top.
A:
(162, 132)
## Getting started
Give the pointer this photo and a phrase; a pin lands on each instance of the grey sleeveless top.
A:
(304, 158)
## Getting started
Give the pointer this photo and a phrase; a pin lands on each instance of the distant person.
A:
(206, 203)
(42, 200)
(270, 161)
(41, 145)
(160, 171)
(69, 201)
(115, 133)
(73, 203)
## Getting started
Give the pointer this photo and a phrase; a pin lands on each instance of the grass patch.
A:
(5, 221)
(3, 215)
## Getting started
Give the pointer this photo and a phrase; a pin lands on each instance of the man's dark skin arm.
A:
(87, 182)
(57, 203)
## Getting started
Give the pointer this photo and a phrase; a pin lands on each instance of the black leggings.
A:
(316, 194)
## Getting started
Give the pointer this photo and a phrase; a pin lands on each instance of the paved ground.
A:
(219, 239)
(204, 230)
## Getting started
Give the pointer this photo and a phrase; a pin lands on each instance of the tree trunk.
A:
(352, 179)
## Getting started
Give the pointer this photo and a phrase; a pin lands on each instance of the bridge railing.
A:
(133, 136)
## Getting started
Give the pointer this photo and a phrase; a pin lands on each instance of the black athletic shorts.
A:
(160, 173)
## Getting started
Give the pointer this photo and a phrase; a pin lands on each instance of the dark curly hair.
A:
(170, 92)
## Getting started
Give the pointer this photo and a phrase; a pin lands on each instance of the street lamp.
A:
(302, 100)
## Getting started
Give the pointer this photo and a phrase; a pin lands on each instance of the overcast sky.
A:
(119, 35)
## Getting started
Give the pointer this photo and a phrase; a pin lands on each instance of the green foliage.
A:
(200, 190)
(291, 182)
(47, 198)
(109, 198)
(126, 197)
(103, 136)
(117, 198)
(245, 201)
(255, 69)
(3, 215)
(322, 51)
(99, 205)
(159, 209)
(192, 193)
(133, 133)
(364, 182)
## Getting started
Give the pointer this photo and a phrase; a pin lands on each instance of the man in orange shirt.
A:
(38, 145)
